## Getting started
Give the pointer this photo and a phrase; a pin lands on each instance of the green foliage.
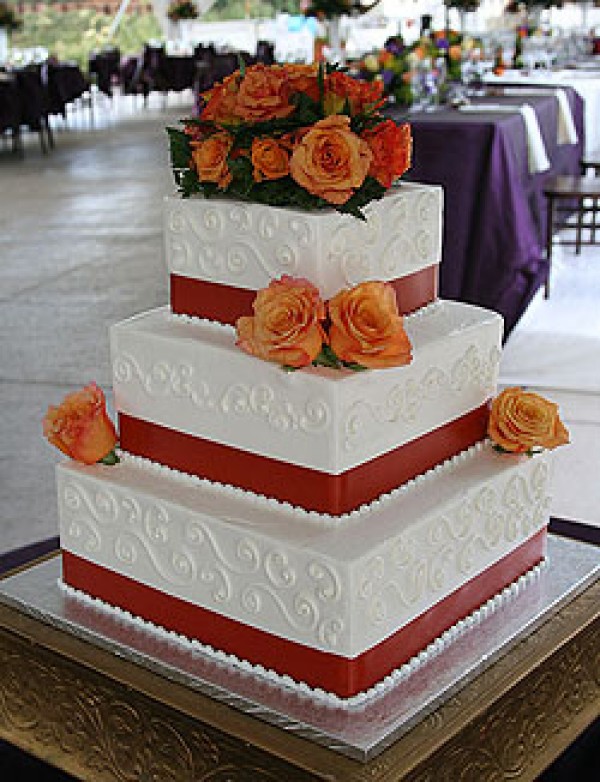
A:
(277, 192)
(73, 35)
(9, 19)
(180, 148)
(327, 358)
(256, 9)
(371, 190)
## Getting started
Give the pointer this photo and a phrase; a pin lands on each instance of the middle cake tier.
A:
(323, 439)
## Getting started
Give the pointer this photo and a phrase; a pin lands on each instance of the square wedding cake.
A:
(324, 525)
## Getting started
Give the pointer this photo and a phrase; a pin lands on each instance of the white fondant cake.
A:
(337, 598)
(246, 245)
(337, 587)
(320, 418)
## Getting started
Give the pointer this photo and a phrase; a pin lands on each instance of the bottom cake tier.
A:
(337, 603)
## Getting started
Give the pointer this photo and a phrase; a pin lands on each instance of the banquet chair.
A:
(10, 111)
(35, 105)
(133, 78)
(565, 196)
(265, 52)
(104, 69)
(590, 162)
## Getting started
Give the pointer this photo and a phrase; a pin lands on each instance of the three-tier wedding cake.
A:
(305, 482)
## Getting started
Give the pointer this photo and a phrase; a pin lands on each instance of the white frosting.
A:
(188, 375)
(337, 588)
(437, 646)
(245, 245)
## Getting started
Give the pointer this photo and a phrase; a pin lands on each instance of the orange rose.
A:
(455, 52)
(286, 325)
(303, 78)
(361, 95)
(80, 426)
(264, 94)
(269, 159)
(209, 158)
(221, 102)
(391, 146)
(366, 328)
(521, 421)
(331, 161)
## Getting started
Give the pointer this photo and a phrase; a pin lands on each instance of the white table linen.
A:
(537, 156)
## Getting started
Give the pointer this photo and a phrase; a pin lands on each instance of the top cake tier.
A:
(219, 252)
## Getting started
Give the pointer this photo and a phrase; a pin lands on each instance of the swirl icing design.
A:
(230, 570)
(305, 603)
(180, 381)
(416, 569)
(390, 248)
(135, 530)
(229, 242)
(405, 401)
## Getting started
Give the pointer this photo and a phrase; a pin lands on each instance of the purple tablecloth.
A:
(10, 104)
(105, 65)
(65, 83)
(494, 215)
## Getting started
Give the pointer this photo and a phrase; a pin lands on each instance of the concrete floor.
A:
(81, 248)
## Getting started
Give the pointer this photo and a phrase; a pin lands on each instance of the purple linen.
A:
(10, 105)
(494, 213)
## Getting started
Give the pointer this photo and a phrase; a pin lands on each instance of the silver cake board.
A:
(360, 732)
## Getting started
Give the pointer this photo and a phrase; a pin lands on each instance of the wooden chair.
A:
(565, 196)
(590, 162)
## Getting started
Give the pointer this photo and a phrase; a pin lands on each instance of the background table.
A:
(585, 82)
(494, 214)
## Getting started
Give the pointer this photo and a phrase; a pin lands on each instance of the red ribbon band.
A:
(331, 672)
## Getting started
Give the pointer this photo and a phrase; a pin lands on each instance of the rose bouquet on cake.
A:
(303, 136)
(359, 328)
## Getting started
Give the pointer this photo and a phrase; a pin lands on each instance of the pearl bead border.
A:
(321, 696)
(296, 511)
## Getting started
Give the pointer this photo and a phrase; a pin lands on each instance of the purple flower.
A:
(387, 77)
(394, 46)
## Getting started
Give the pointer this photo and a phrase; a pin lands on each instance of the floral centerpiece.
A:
(9, 20)
(397, 64)
(179, 10)
(302, 136)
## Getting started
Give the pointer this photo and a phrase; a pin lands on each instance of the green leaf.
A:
(110, 458)
(370, 190)
(307, 111)
(188, 183)
(354, 367)
(241, 170)
(179, 144)
(327, 358)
